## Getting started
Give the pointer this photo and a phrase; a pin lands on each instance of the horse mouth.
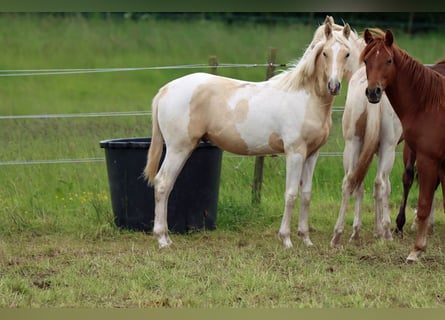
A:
(373, 99)
(334, 92)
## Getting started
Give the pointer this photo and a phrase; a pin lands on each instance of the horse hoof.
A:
(398, 232)
(413, 257)
(287, 243)
(354, 237)
(335, 240)
(304, 235)
(164, 242)
(308, 242)
(388, 236)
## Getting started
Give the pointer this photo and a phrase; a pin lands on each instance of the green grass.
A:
(59, 246)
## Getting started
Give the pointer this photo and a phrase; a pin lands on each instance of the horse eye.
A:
(324, 54)
(389, 61)
(347, 55)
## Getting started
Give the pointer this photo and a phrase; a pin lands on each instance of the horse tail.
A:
(370, 145)
(156, 146)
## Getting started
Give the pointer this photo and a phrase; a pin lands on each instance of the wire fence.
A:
(41, 72)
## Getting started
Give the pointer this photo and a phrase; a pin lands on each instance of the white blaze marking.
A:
(335, 50)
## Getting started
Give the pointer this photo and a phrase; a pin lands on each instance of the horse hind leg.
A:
(164, 182)
(409, 159)
(408, 178)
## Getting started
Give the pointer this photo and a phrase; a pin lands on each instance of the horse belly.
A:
(256, 143)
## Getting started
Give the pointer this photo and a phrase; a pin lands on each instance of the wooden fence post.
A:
(259, 161)
(213, 63)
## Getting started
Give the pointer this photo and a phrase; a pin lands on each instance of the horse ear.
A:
(347, 31)
(328, 30)
(368, 36)
(329, 19)
(389, 38)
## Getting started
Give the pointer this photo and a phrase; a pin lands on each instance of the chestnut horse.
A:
(417, 95)
(409, 159)
(290, 113)
(369, 130)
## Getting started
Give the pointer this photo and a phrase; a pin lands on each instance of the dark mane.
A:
(424, 80)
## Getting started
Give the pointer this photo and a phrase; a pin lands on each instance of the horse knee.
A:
(379, 189)
(422, 215)
(306, 198)
(291, 198)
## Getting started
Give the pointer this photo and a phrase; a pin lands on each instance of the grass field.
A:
(59, 246)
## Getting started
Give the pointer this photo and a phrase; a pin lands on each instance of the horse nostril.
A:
(367, 92)
(378, 91)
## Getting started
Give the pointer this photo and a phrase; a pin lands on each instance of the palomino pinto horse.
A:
(290, 113)
(369, 129)
(417, 95)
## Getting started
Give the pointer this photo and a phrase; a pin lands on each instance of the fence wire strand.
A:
(45, 72)
(37, 72)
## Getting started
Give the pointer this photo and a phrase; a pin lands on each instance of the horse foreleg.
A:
(431, 217)
(350, 158)
(428, 174)
(382, 190)
(340, 224)
(430, 220)
(306, 192)
(164, 182)
(294, 167)
(357, 223)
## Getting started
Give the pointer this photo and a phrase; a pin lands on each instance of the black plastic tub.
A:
(193, 201)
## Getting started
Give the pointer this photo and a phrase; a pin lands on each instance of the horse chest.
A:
(315, 133)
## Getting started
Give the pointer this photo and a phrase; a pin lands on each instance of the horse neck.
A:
(294, 80)
(411, 88)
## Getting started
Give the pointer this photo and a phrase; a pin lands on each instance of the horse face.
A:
(379, 61)
(335, 56)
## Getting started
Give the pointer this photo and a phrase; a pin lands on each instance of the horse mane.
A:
(303, 69)
(425, 79)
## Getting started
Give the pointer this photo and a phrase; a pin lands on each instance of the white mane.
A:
(303, 69)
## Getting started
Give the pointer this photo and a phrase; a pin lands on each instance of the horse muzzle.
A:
(334, 87)
(374, 95)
